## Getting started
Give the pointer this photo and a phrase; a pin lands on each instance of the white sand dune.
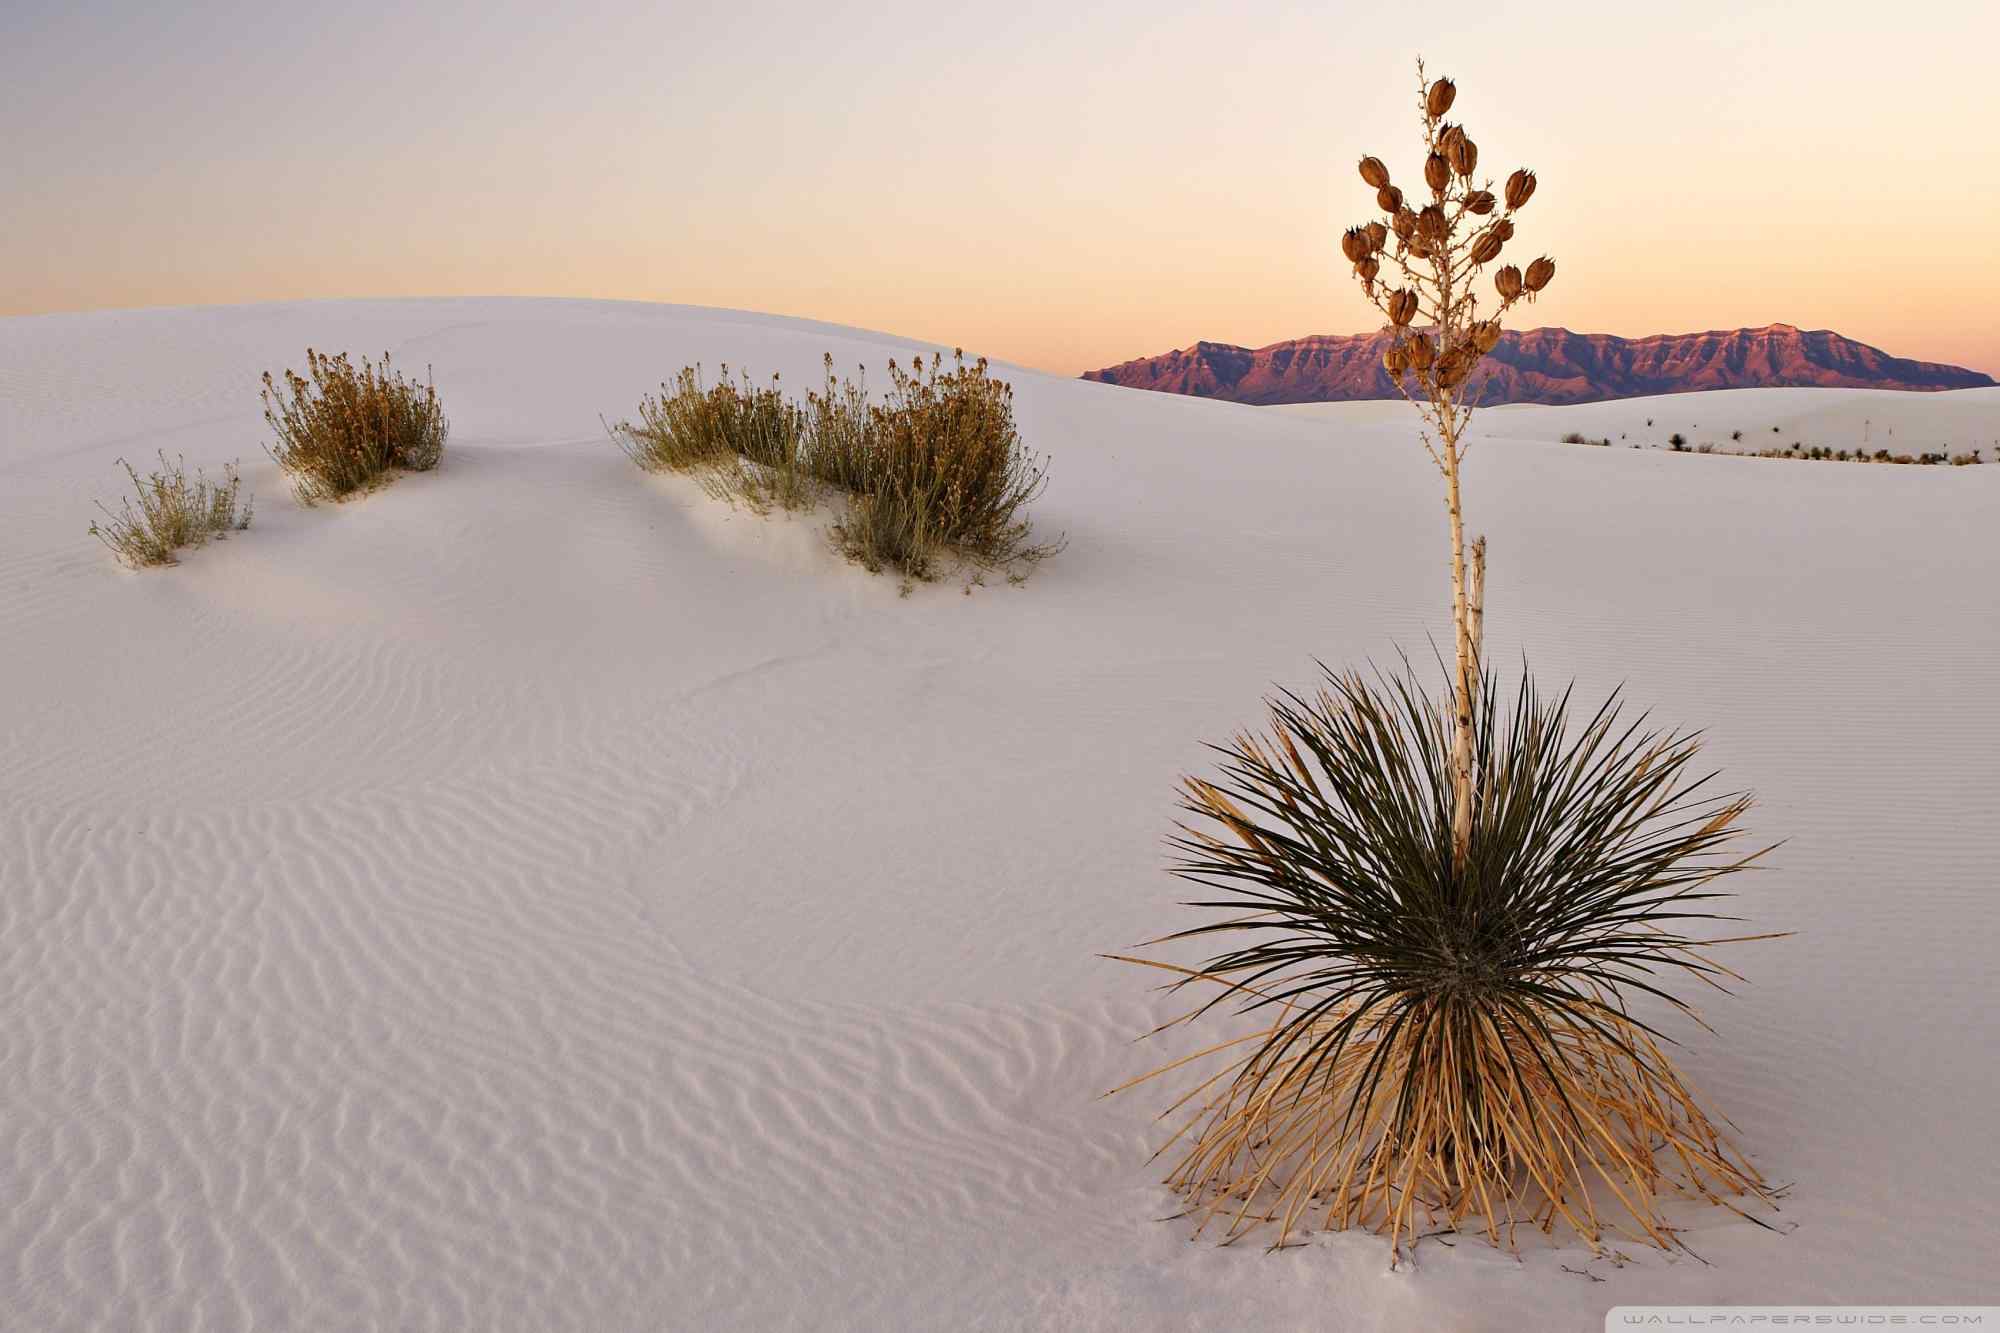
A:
(533, 897)
(1960, 421)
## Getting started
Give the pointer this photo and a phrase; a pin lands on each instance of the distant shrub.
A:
(171, 512)
(936, 472)
(341, 430)
(1578, 437)
(1678, 441)
(1735, 434)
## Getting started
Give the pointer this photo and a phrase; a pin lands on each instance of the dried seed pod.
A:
(1417, 248)
(1520, 188)
(1402, 307)
(1405, 222)
(1378, 236)
(1448, 136)
(1439, 99)
(1396, 361)
(1354, 244)
(1539, 273)
(1504, 229)
(1487, 248)
(1508, 282)
(1464, 155)
(1431, 224)
(1451, 368)
(1480, 202)
(1437, 173)
(1374, 173)
(1389, 198)
(1368, 268)
(1486, 335)
(1421, 352)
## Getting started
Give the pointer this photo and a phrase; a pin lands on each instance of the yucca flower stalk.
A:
(1440, 337)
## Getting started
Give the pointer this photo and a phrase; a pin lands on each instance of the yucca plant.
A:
(1454, 926)
(1444, 1036)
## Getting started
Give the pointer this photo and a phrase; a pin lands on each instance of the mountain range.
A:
(1547, 365)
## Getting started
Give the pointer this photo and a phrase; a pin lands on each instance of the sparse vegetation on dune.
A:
(341, 430)
(1815, 452)
(168, 511)
(934, 474)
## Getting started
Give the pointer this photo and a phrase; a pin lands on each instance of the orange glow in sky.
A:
(1060, 185)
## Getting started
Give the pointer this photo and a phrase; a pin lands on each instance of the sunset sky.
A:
(1064, 185)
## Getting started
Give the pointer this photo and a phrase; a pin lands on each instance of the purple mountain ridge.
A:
(1543, 366)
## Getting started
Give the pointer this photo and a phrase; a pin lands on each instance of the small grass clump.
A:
(1441, 1040)
(342, 430)
(934, 474)
(167, 511)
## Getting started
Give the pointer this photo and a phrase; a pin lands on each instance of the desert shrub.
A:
(840, 423)
(942, 470)
(1441, 1037)
(167, 511)
(741, 441)
(341, 430)
(934, 473)
(1678, 441)
(1578, 437)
